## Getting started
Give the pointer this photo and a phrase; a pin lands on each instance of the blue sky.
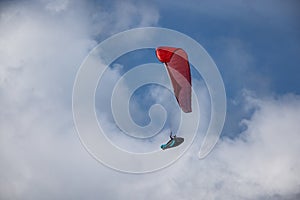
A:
(265, 35)
(255, 46)
(268, 32)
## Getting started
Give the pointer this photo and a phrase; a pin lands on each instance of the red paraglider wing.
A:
(178, 67)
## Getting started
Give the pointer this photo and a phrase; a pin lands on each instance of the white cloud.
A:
(57, 5)
(41, 47)
(261, 164)
(140, 13)
(264, 157)
(42, 44)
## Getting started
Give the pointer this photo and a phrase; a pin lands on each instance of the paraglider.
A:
(177, 64)
(173, 142)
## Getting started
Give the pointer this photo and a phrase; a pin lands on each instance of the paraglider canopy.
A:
(177, 64)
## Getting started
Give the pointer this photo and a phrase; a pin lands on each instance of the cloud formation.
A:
(41, 47)
(42, 44)
(261, 163)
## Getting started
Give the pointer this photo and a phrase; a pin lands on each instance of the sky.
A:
(255, 45)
